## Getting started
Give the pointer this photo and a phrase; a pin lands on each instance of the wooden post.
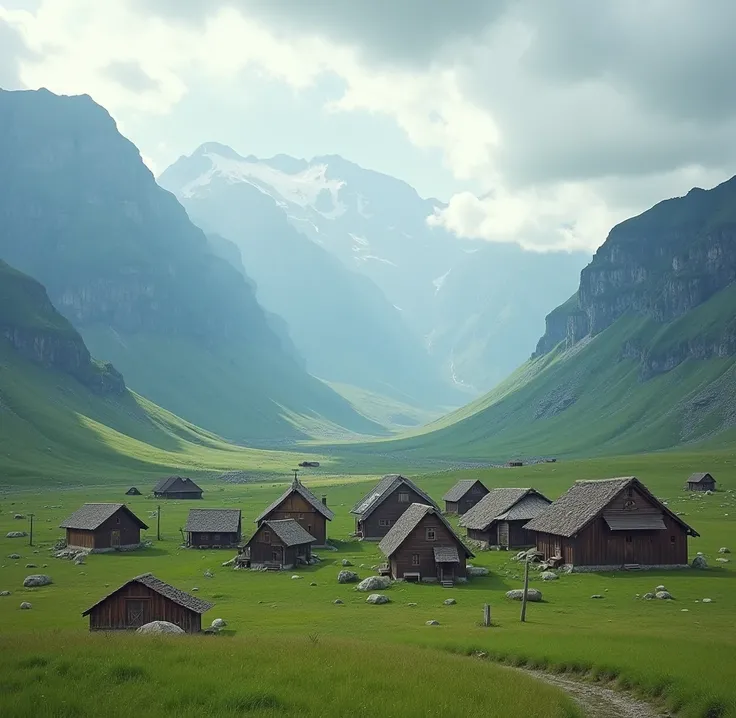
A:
(486, 615)
(30, 538)
(526, 588)
(158, 523)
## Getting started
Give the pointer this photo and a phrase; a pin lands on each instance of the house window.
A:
(384, 522)
(403, 498)
(216, 538)
(629, 539)
(266, 537)
(672, 539)
(429, 533)
(205, 537)
(415, 559)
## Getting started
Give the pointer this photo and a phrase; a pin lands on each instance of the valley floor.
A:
(354, 658)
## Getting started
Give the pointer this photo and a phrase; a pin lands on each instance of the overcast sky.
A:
(542, 122)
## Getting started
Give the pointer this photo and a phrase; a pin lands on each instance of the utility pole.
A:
(158, 523)
(30, 538)
(526, 588)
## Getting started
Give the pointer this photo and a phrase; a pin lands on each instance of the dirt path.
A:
(598, 701)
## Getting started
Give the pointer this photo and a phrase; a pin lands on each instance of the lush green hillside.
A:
(120, 257)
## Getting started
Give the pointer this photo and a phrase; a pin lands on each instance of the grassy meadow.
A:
(680, 652)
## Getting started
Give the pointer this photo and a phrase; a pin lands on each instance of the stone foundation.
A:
(570, 568)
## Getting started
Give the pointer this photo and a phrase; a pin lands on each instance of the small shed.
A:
(498, 518)
(701, 482)
(177, 487)
(422, 546)
(144, 599)
(103, 527)
(515, 462)
(277, 544)
(132, 491)
(213, 528)
(463, 496)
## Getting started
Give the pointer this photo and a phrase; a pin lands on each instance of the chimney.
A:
(324, 501)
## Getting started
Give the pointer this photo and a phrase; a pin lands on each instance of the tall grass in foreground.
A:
(65, 675)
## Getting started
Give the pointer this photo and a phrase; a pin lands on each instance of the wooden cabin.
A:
(463, 496)
(515, 462)
(277, 544)
(422, 546)
(610, 524)
(498, 519)
(144, 599)
(382, 507)
(132, 491)
(701, 482)
(213, 528)
(300, 504)
(177, 487)
(103, 527)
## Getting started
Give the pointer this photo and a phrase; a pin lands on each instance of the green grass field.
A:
(685, 659)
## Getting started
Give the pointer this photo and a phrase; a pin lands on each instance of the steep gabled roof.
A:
(306, 494)
(91, 516)
(499, 503)
(584, 501)
(698, 477)
(164, 589)
(166, 484)
(407, 522)
(291, 532)
(382, 490)
(213, 520)
(460, 489)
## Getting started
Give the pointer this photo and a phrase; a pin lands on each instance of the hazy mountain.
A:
(123, 262)
(477, 308)
(642, 357)
(339, 319)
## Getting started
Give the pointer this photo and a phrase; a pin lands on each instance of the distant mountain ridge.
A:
(476, 308)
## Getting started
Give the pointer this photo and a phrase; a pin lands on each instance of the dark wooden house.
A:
(515, 462)
(103, 527)
(382, 507)
(612, 523)
(132, 491)
(422, 546)
(300, 504)
(701, 482)
(281, 544)
(463, 496)
(144, 599)
(177, 487)
(213, 528)
(498, 519)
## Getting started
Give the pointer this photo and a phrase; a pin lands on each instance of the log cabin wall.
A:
(380, 521)
(298, 508)
(214, 540)
(128, 533)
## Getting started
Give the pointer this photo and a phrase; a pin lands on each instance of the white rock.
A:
(549, 576)
(432, 623)
(477, 571)
(35, 580)
(596, 595)
(347, 577)
(722, 560)
(25, 606)
(4, 593)
(374, 583)
(218, 623)
(532, 594)
(699, 562)
(724, 549)
(663, 595)
(660, 588)
(295, 577)
(345, 562)
(160, 627)
(338, 602)
(707, 600)
(15, 534)
(377, 598)
(449, 602)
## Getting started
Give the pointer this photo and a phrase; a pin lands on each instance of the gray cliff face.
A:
(659, 265)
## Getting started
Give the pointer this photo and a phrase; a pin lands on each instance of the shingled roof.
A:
(382, 490)
(698, 477)
(187, 485)
(460, 489)
(407, 522)
(305, 493)
(584, 501)
(164, 589)
(91, 516)
(213, 521)
(499, 504)
(291, 532)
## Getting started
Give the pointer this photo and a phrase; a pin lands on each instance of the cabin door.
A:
(447, 572)
(115, 538)
(629, 556)
(134, 613)
(503, 534)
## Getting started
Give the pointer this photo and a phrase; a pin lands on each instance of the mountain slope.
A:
(643, 357)
(458, 296)
(339, 320)
(121, 260)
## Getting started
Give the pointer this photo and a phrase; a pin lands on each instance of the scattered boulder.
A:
(195, 589)
(377, 599)
(374, 583)
(722, 560)
(660, 588)
(596, 595)
(449, 602)
(432, 623)
(312, 583)
(15, 534)
(477, 571)
(338, 602)
(724, 549)
(79, 560)
(25, 606)
(296, 577)
(347, 577)
(549, 576)
(345, 562)
(707, 600)
(208, 574)
(18, 516)
(663, 595)
(31, 565)
(35, 580)
(4, 593)
(411, 604)
(218, 623)
(699, 562)
(649, 596)
(155, 627)
(517, 594)
(15, 556)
